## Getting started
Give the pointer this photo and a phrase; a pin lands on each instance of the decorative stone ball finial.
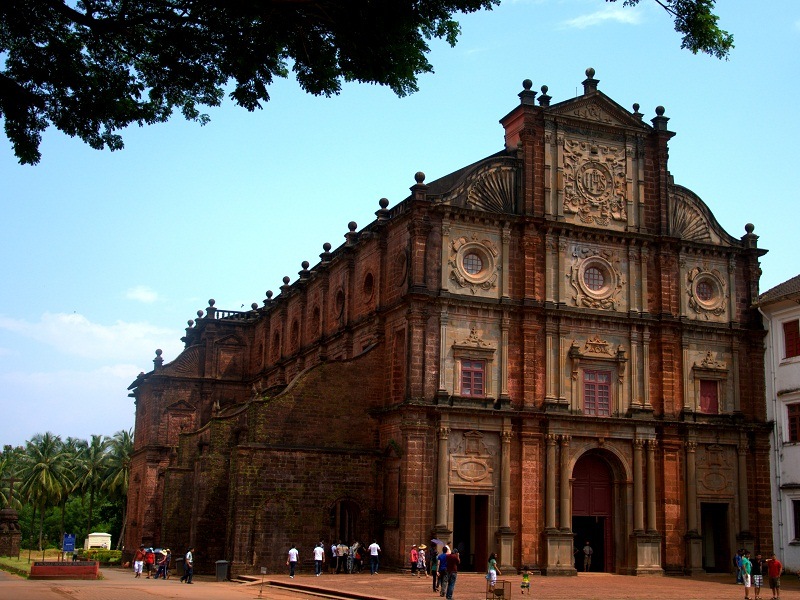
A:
(749, 228)
(419, 177)
(286, 280)
(527, 84)
(159, 352)
(254, 306)
(635, 107)
(269, 294)
(590, 73)
(544, 89)
(199, 314)
(352, 225)
(326, 247)
(660, 111)
(383, 202)
(304, 264)
(211, 302)
(190, 323)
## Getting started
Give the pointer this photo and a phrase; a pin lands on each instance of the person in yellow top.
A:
(526, 580)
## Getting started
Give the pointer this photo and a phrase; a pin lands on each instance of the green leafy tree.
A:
(91, 467)
(115, 482)
(91, 68)
(46, 474)
(10, 469)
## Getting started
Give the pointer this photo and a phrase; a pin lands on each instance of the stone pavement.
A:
(119, 584)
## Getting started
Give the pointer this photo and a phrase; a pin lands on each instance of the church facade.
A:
(553, 345)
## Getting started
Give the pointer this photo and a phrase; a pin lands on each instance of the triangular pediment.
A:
(180, 406)
(229, 340)
(598, 108)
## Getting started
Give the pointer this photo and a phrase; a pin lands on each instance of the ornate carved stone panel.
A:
(474, 263)
(594, 182)
(716, 474)
(707, 293)
(472, 461)
(595, 276)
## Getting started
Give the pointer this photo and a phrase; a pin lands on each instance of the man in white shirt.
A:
(292, 561)
(374, 550)
(319, 558)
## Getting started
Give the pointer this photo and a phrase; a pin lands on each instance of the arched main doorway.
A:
(592, 507)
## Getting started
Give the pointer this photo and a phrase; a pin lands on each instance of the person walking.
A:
(138, 561)
(422, 565)
(525, 586)
(443, 570)
(163, 564)
(774, 571)
(188, 566)
(149, 561)
(492, 570)
(453, 561)
(434, 569)
(291, 561)
(413, 557)
(374, 561)
(319, 559)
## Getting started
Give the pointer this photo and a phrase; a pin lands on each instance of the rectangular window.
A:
(791, 339)
(473, 378)
(793, 418)
(597, 393)
(709, 397)
(796, 511)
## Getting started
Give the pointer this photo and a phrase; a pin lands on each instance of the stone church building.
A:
(552, 345)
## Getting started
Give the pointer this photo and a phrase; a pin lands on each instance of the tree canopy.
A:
(92, 67)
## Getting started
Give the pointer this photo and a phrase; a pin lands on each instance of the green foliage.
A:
(91, 69)
(698, 24)
(102, 555)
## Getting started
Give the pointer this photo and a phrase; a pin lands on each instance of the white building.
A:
(780, 308)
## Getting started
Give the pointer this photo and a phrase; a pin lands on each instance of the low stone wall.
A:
(81, 569)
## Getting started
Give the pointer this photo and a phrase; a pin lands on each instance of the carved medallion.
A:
(473, 263)
(594, 182)
(596, 278)
(707, 292)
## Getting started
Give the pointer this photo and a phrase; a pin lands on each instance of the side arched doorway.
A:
(592, 512)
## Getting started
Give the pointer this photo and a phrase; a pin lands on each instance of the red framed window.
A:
(597, 393)
(793, 418)
(791, 339)
(709, 397)
(473, 378)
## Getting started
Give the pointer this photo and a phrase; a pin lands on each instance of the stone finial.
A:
(254, 306)
(268, 299)
(269, 294)
(383, 212)
(636, 113)
(211, 311)
(660, 121)
(189, 324)
(304, 272)
(199, 314)
(419, 177)
(590, 83)
(326, 253)
(544, 99)
(526, 96)
(285, 287)
(351, 236)
(750, 239)
(158, 361)
(286, 280)
(419, 189)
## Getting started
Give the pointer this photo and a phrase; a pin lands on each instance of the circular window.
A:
(369, 287)
(473, 263)
(705, 291)
(594, 279)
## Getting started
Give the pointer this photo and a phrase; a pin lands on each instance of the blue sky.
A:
(105, 256)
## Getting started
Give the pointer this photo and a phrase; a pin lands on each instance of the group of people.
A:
(343, 558)
(157, 563)
(750, 573)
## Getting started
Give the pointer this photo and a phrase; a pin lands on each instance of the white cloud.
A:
(74, 335)
(613, 13)
(142, 293)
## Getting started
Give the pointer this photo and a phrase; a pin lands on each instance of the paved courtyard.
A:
(119, 584)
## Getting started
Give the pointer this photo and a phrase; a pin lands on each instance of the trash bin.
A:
(222, 570)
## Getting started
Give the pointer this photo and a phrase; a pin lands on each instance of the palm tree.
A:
(46, 474)
(92, 468)
(115, 483)
(73, 448)
(10, 466)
